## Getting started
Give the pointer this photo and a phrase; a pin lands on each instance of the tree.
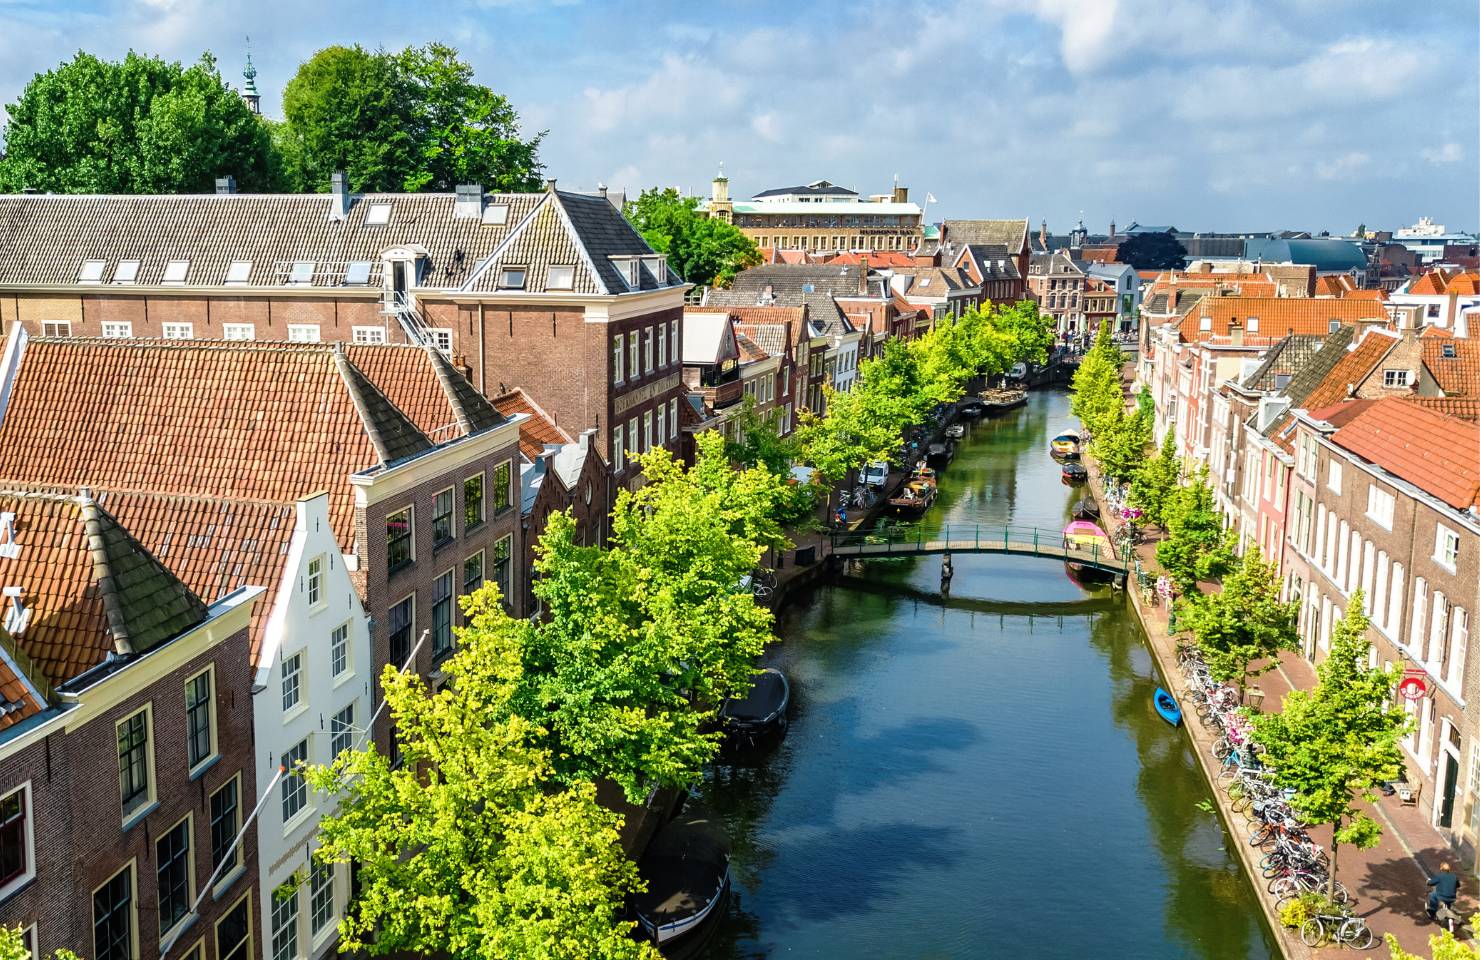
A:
(1120, 444)
(1442, 946)
(758, 443)
(1099, 399)
(142, 125)
(413, 120)
(1244, 623)
(13, 946)
(1152, 251)
(850, 435)
(644, 641)
(1332, 745)
(1028, 333)
(704, 250)
(1155, 484)
(466, 848)
(1197, 546)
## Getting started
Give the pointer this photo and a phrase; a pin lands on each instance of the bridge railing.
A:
(906, 539)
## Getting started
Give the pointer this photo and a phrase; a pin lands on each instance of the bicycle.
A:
(1348, 931)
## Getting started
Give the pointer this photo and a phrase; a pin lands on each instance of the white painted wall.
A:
(845, 367)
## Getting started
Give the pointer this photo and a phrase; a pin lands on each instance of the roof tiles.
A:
(1437, 453)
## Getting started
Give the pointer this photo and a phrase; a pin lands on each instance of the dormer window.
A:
(657, 266)
(378, 215)
(1253, 324)
(511, 278)
(560, 278)
(126, 272)
(1447, 351)
(302, 275)
(175, 272)
(16, 614)
(496, 214)
(239, 272)
(357, 274)
(92, 271)
(630, 275)
(8, 547)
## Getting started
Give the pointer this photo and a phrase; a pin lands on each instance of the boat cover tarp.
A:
(684, 867)
(767, 695)
(1085, 508)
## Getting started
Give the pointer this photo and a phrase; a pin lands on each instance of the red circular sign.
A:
(1412, 688)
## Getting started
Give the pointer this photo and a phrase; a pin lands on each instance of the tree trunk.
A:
(1331, 879)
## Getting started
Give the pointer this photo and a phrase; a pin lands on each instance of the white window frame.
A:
(619, 450)
(285, 939)
(560, 276)
(441, 338)
(368, 335)
(1380, 506)
(56, 328)
(303, 333)
(1394, 379)
(291, 683)
(314, 582)
(175, 273)
(238, 273)
(28, 874)
(151, 794)
(378, 214)
(341, 662)
(190, 878)
(1333, 476)
(1443, 538)
(126, 273)
(91, 271)
(317, 929)
(295, 786)
(239, 331)
(301, 274)
(342, 732)
(177, 330)
(513, 278)
(118, 329)
(619, 356)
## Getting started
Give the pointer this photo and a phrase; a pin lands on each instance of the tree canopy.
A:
(1197, 546)
(1155, 483)
(1244, 623)
(140, 125)
(406, 121)
(1152, 251)
(704, 250)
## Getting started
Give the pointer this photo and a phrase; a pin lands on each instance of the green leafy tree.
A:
(1197, 546)
(644, 641)
(1029, 334)
(1152, 251)
(1242, 629)
(849, 435)
(1155, 484)
(142, 125)
(704, 250)
(1442, 946)
(1332, 745)
(1099, 399)
(467, 848)
(757, 442)
(412, 120)
(1120, 444)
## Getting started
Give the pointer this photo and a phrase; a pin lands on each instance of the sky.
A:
(1202, 114)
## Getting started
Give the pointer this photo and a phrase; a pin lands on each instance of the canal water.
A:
(982, 776)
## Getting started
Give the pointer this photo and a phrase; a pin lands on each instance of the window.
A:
(200, 725)
(238, 331)
(1394, 378)
(368, 334)
(134, 762)
(662, 348)
(472, 503)
(400, 619)
(629, 270)
(618, 451)
(673, 340)
(632, 357)
(292, 681)
(117, 329)
(503, 479)
(501, 554)
(1459, 642)
(91, 271)
(617, 373)
(632, 446)
(441, 339)
(496, 214)
(511, 278)
(285, 924)
(302, 273)
(1447, 351)
(442, 615)
(16, 856)
(1205, 323)
(225, 811)
(1333, 477)
(175, 272)
(1420, 612)
(655, 266)
(234, 932)
(339, 650)
(178, 331)
(56, 328)
(357, 274)
(673, 415)
(172, 869)
(647, 429)
(398, 549)
(1253, 325)
(239, 272)
(316, 581)
(113, 917)
(647, 351)
(473, 572)
(1446, 547)
(295, 788)
(378, 215)
(659, 424)
(442, 517)
(560, 278)
(1380, 506)
(126, 272)
(321, 896)
(341, 731)
(303, 333)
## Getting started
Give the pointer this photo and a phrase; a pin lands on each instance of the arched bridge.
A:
(977, 538)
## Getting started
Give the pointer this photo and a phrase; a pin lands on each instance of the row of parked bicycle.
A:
(1293, 864)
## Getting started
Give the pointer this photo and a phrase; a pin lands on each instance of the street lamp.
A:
(1256, 699)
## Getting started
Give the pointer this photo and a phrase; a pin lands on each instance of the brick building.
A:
(821, 217)
(126, 770)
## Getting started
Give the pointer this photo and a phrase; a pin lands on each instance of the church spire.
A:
(249, 92)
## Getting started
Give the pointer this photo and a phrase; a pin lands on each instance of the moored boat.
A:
(914, 498)
(1166, 705)
(1085, 538)
(1065, 445)
(1074, 473)
(955, 431)
(686, 870)
(1086, 509)
(971, 408)
(761, 712)
(1000, 401)
(925, 474)
(939, 454)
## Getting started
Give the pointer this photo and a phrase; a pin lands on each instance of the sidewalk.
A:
(1386, 882)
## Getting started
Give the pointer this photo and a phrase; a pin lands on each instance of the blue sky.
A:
(1225, 115)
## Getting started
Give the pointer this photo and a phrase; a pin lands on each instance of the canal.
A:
(982, 776)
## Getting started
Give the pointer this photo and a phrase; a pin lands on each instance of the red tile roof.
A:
(1457, 375)
(1278, 316)
(20, 698)
(1350, 370)
(539, 429)
(1437, 453)
(1443, 282)
(1466, 408)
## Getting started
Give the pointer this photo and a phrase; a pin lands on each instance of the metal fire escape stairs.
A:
(400, 305)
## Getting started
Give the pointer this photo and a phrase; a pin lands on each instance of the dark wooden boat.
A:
(971, 408)
(939, 454)
(1086, 509)
(687, 873)
(913, 499)
(1075, 473)
(761, 713)
(1166, 705)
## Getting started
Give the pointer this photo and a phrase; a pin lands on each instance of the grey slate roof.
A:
(47, 237)
(820, 188)
(1012, 234)
(1320, 363)
(795, 285)
(1283, 359)
(994, 261)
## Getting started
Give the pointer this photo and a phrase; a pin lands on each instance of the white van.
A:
(876, 474)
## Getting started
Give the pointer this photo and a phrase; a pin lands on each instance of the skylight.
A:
(175, 271)
(92, 271)
(302, 273)
(126, 272)
(358, 273)
(379, 214)
(560, 278)
(496, 214)
(511, 278)
(239, 271)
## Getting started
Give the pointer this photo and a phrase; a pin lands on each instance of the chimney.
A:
(226, 184)
(1111, 238)
(901, 194)
(550, 185)
(339, 196)
(1236, 333)
(601, 190)
(468, 202)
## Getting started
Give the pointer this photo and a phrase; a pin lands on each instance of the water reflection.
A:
(981, 775)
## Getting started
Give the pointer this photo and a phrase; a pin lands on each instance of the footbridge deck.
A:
(977, 538)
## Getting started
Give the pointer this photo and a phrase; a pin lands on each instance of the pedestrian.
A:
(1446, 889)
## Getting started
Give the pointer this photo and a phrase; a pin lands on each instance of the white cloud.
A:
(766, 126)
(1450, 152)
(1344, 166)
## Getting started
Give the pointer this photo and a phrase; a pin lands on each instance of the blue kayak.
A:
(1166, 705)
